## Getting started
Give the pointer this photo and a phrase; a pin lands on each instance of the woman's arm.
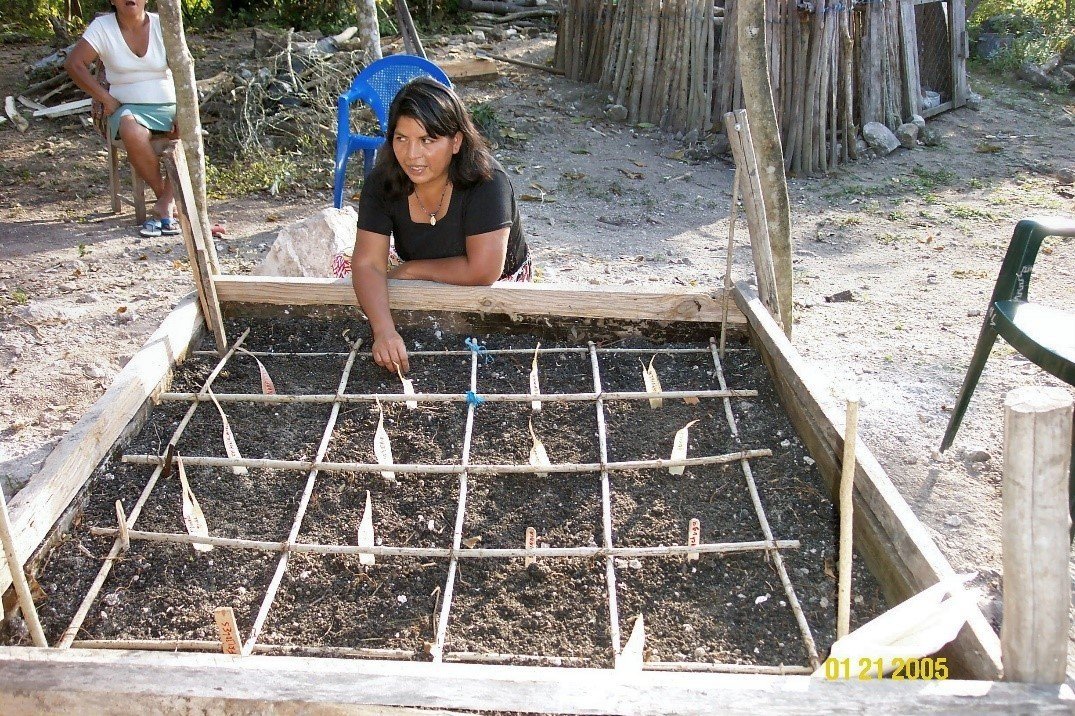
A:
(482, 265)
(369, 276)
(78, 66)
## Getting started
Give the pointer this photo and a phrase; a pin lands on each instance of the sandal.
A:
(169, 227)
(150, 228)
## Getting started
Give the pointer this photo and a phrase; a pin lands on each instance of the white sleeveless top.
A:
(132, 79)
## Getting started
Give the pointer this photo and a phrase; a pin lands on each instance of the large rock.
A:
(930, 137)
(306, 247)
(1030, 72)
(880, 138)
(908, 135)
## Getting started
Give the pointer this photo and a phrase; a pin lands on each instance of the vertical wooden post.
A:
(847, 484)
(754, 204)
(187, 115)
(202, 261)
(758, 100)
(411, 42)
(1037, 591)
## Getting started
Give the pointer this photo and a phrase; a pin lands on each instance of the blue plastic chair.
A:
(377, 86)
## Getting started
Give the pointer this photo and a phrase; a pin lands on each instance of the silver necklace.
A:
(432, 214)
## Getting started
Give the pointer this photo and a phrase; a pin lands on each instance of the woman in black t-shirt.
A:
(440, 195)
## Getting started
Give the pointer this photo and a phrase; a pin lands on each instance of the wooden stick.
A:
(91, 595)
(457, 533)
(18, 577)
(1037, 593)
(300, 513)
(451, 553)
(504, 469)
(606, 510)
(520, 63)
(211, 646)
(847, 483)
(733, 216)
(763, 521)
(453, 397)
(488, 351)
(706, 667)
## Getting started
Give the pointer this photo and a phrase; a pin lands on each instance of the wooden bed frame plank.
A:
(40, 680)
(115, 415)
(894, 543)
(662, 303)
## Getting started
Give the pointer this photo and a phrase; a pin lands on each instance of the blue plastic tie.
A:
(474, 399)
(473, 345)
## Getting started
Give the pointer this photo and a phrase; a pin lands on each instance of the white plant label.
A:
(193, 517)
(121, 520)
(679, 448)
(653, 383)
(230, 446)
(408, 388)
(538, 456)
(535, 385)
(531, 543)
(267, 386)
(382, 447)
(365, 532)
(630, 658)
(694, 538)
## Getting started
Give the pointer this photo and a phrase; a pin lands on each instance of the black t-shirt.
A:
(484, 207)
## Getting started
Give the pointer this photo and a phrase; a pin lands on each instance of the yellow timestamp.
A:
(897, 668)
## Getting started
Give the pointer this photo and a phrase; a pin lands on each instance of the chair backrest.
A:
(1013, 282)
(378, 84)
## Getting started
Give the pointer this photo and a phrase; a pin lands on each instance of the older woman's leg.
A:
(136, 140)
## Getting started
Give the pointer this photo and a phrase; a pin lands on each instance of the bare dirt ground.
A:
(916, 237)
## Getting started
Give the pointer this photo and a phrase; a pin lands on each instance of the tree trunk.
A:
(369, 31)
(186, 107)
(758, 99)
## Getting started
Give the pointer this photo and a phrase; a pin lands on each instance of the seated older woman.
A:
(140, 98)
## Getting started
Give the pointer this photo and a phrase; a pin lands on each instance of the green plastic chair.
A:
(1045, 335)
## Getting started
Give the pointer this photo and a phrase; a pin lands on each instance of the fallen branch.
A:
(12, 113)
(62, 110)
(520, 63)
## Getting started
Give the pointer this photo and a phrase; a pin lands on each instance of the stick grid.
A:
(605, 469)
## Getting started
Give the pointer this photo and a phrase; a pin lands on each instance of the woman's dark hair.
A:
(442, 114)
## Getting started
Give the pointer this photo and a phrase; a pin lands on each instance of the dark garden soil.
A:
(725, 609)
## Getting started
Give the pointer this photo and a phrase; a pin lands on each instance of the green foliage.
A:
(1041, 28)
(272, 173)
(1055, 16)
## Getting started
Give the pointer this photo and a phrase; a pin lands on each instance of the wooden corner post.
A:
(197, 239)
(1037, 591)
(748, 180)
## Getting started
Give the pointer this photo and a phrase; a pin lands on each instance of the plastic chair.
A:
(1045, 335)
(377, 86)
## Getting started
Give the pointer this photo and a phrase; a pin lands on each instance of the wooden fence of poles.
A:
(834, 66)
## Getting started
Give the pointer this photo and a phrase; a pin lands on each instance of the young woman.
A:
(440, 195)
(140, 97)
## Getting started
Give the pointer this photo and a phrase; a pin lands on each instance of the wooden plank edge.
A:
(895, 544)
(110, 682)
(116, 414)
(665, 303)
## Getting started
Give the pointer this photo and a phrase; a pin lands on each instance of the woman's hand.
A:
(108, 107)
(389, 351)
